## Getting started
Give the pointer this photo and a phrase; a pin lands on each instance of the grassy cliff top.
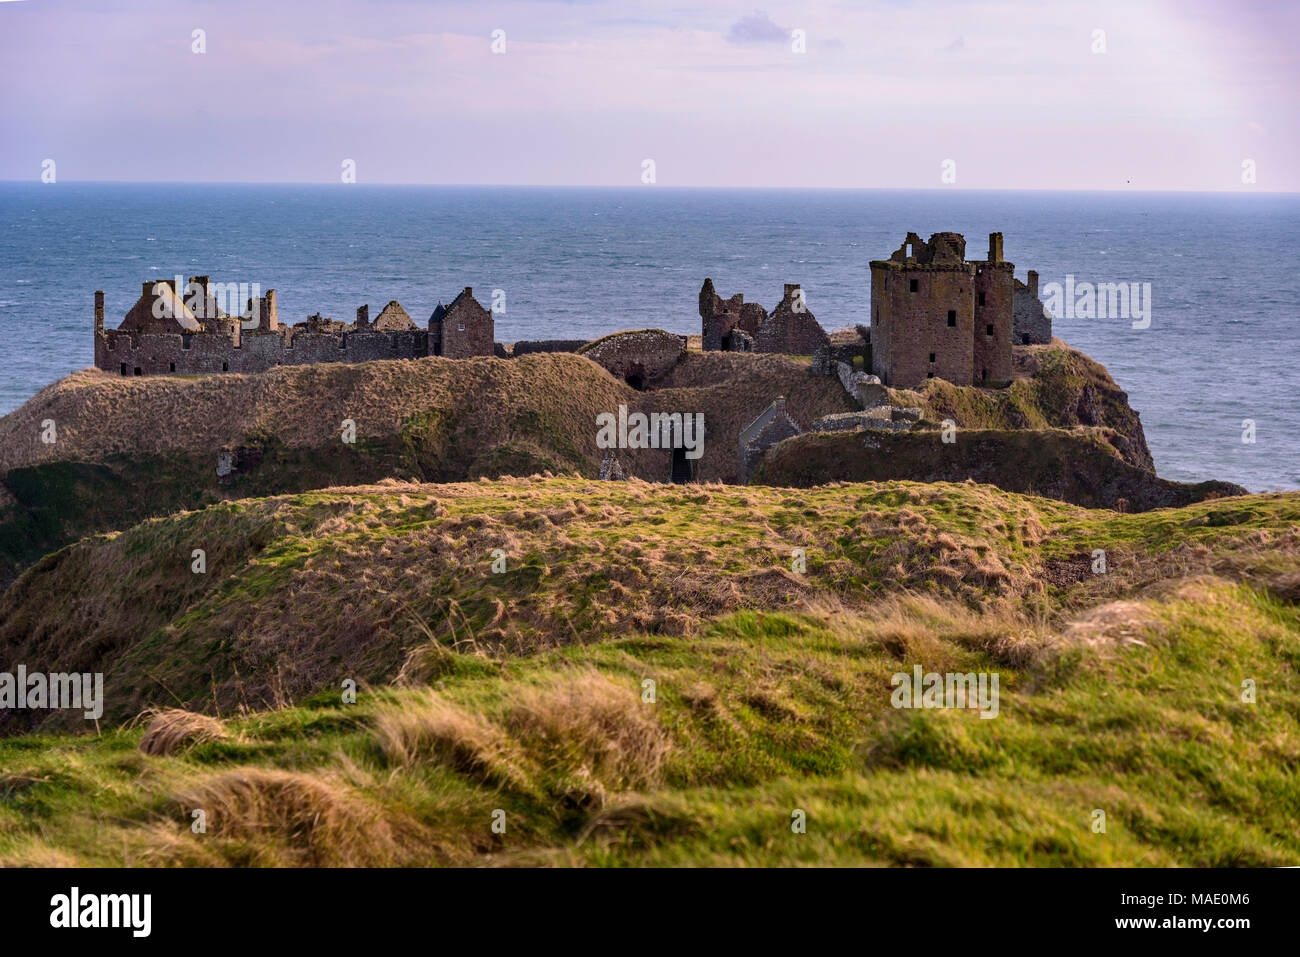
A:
(546, 397)
(305, 590)
(525, 692)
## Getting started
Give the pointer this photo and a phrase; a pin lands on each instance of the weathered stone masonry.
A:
(162, 334)
(1031, 321)
(733, 325)
(935, 314)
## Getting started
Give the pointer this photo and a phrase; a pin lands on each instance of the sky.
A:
(1006, 94)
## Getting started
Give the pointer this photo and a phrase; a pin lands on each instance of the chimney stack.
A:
(363, 316)
(1033, 283)
(99, 310)
(270, 312)
(790, 287)
(995, 247)
(469, 292)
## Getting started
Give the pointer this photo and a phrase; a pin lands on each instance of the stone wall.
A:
(866, 389)
(1031, 320)
(128, 353)
(719, 317)
(994, 285)
(773, 425)
(637, 357)
(143, 345)
(922, 322)
(935, 314)
(464, 329)
(791, 329)
(882, 417)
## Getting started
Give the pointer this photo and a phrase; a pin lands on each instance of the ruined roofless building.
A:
(720, 318)
(1032, 321)
(936, 314)
(165, 332)
(733, 325)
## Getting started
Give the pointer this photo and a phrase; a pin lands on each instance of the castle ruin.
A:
(1031, 320)
(733, 325)
(936, 314)
(187, 332)
(933, 314)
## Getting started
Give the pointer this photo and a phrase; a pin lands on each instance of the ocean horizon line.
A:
(1038, 190)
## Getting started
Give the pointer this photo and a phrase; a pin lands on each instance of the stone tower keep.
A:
(936, 314)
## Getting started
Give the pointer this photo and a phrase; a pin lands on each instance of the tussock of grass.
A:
(598, 732)
(576, 738)
(295, 819)
(174, 729)
(430, 728)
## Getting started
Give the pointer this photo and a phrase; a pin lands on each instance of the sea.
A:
(1214, 368)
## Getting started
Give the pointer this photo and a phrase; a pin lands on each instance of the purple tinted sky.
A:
(711, 91)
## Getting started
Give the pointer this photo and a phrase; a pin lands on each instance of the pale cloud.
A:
(757, 28)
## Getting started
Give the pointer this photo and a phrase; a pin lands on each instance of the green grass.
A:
(302, 591)
(760, 716)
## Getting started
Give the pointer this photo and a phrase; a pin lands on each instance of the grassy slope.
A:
(477, 405)
(1137, 714)
(303, 591)
(129, 449)
(1055, 388)
(1120, 692)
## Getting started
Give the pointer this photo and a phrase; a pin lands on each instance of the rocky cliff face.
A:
(1079, 466)
(1055, 387)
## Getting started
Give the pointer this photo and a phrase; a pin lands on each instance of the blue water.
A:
(1222, 346)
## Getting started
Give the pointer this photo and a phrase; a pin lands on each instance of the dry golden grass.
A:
(600, 730)
(578, 738)
(919, 627)
(1114, 624)
(490, 403)
(381, 582)
(298, 819)
(99, 414)
(430, 728)
(174, 729)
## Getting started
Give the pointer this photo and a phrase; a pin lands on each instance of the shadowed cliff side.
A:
(1078, 466)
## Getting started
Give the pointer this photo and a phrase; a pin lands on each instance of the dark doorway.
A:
(636, 381)
(137, 371)
(683, 468)
(1024, 339)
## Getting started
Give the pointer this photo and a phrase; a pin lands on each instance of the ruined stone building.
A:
(1031, 320)
(733, 325)
(461, 329)
(772, 426)
(936, 314)
(639, 357)
(185, 331)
